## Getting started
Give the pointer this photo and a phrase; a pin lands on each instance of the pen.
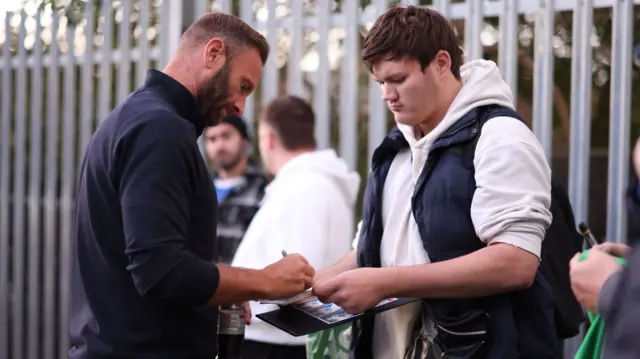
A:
(284, 253)
(588, 236)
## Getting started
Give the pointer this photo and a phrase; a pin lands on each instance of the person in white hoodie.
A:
(464, 235)
(307, 209)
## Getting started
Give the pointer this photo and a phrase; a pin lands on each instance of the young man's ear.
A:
(443, 62)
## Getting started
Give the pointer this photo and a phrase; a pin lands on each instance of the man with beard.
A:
(143, 280)
(239, 183)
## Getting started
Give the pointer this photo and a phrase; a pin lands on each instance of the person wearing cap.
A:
(239, 183)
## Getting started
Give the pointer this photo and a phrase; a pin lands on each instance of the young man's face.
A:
(225, 146)
(409, 92)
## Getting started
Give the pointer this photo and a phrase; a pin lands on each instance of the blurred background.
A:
(65, 64)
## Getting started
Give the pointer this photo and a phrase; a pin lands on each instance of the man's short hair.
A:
(227, 27)
(293, 120)
(411, 33)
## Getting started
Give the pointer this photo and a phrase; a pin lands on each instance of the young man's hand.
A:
(287, 277)
(355, 291)
(588, 276)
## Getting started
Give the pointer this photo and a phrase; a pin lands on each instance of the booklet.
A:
(304, 295)
(310, 315)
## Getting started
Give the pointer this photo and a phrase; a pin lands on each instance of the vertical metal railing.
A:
(377, 109)
(19, 160)
(580, 110)
(620, 119)
(543, 75)
(53, 92)
(56, 84)
(35, 194)
(322, 91)
(271, 77)
(508, 51)
(5, 116)
(350, 85)
(51, 196)
(295, 83)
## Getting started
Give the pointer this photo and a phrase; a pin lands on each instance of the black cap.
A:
(238, 123)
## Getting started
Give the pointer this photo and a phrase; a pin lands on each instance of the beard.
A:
(213, 94)
(232, 163)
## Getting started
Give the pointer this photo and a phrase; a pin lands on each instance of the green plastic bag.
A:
(331, 343)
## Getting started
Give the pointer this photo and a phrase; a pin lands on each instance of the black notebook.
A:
(310, 315)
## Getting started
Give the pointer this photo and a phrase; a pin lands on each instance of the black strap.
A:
(485, 113)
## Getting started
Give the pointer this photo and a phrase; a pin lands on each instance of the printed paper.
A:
(328, 312)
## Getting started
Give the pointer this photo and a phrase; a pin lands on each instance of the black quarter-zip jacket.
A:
(144, 231)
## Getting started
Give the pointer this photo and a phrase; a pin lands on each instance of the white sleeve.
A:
(513, 186)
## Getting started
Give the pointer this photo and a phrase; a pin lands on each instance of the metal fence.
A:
(62, 72)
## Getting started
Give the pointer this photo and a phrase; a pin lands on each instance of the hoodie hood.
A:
(482, 85)
(323, 163)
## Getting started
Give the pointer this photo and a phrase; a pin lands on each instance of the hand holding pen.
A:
(615, 249)
(287, 277)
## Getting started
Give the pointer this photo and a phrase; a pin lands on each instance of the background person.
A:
(239, 183)
(307, 209)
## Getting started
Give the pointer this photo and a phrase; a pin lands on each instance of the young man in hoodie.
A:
(463, 234)
(307, 209)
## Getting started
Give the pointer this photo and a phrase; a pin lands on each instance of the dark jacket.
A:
(236, 211)
(143, 233)
(619, 301)
(511, 325)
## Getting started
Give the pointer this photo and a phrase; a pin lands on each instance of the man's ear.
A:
(273, 139)
(215, 54)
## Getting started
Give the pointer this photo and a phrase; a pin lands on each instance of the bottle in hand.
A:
(230, 331)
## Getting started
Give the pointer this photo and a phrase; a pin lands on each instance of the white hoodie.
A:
(307, 209)
(510, 204)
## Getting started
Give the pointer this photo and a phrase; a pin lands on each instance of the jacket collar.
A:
(178, 96)
(463, 130)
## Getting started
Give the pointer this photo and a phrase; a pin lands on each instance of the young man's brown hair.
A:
(412, 33)
(227, 27)
(293, 120)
